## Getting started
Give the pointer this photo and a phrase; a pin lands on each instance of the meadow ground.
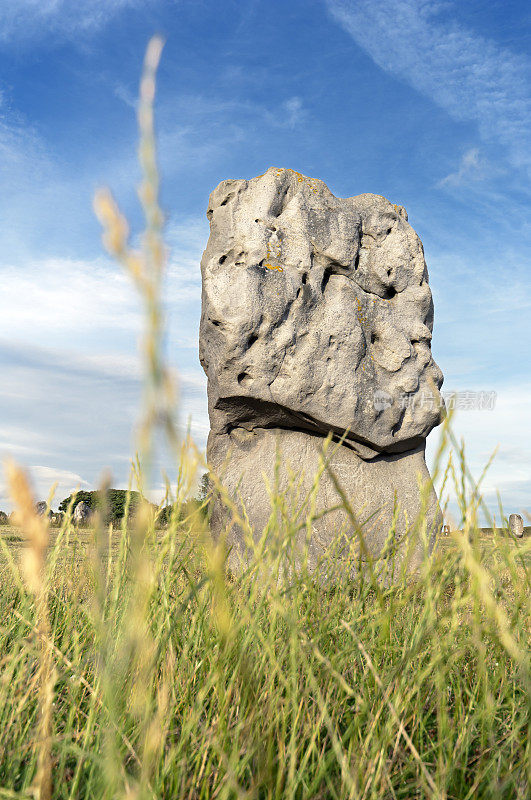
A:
(82, 539)
(166, 678)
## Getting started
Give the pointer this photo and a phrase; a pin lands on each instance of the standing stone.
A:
(4, 519)
(41, 508)
(516, 525)
(82, 513)
(317, 318)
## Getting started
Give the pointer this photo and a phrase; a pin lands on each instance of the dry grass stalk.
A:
(146, 266)
(33, 564)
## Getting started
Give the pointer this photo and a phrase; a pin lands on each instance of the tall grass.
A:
(246, 688)
(136, 667)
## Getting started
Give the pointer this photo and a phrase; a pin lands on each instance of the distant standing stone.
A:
(41, 507)
(82, 512)
(516, 525)
(57, 518)
(3, 518)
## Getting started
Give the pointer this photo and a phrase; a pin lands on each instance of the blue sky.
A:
(423, 101)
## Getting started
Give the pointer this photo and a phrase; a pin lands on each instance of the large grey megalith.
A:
(317, 319)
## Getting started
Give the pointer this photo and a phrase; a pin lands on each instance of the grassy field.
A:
(82, 538)
(166, 678)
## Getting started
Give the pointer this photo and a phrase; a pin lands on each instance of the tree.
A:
(114, 502)
(88, 497)
(204, 487)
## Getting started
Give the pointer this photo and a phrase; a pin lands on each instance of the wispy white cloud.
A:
(71, 374)
(19, 442)
(46, 299)
(39, 198)
(43, 480)
(471, 77)
(186, 240)
(26, 19)
(20, 144)
(126, 95)
(76, 413)
(501, 428)
(471, 168)
(293, 111)
(230, 120)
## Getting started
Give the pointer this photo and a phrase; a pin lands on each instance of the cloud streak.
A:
(28, 19)
(74, 414)
(484, 431)
(470, 169)
(57, 295)
(43, 480)
(469, 76)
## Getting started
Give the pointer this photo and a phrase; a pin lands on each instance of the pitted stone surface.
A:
(316, 316)
(373, 487)
(312, 303)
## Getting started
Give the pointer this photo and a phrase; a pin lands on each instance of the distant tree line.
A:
(112, 503)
